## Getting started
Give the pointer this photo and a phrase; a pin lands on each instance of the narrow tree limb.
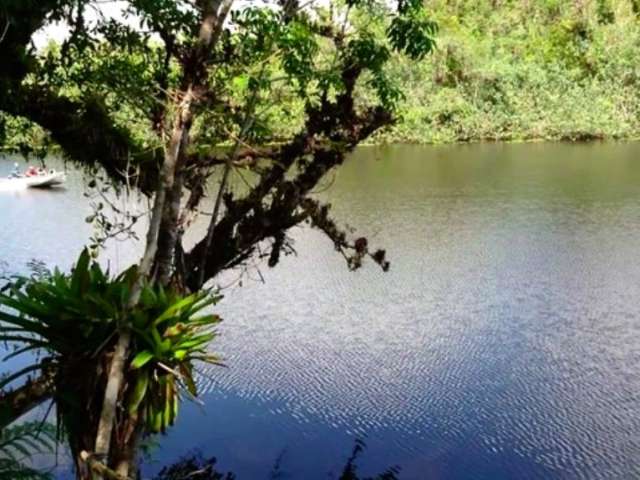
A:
(100, 469)
(15, 403)
(248, 122)
(247, 222)
(193, 78)
(245, 156)
(108, 412)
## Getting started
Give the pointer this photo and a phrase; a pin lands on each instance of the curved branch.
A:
(248, 221)
(15, 403)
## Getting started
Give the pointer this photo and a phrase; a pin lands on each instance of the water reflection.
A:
(198, 467)
(503, 343)
(23, 445)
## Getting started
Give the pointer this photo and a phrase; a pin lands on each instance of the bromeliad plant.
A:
(71, 321)
(169, 336)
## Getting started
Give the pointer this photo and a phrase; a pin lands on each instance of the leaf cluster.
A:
(167, 345)
(70, 320)
(19, 443)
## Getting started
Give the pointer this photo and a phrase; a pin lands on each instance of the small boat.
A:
(51, 179)
(42, 180)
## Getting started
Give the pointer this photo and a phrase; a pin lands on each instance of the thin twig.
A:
(6, 29)
(248, 122)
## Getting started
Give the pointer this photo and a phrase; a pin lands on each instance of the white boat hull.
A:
(37, 181)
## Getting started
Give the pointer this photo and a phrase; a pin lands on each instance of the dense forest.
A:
(504, 70)
(525, 69)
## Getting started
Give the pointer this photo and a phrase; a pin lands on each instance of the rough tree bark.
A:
(214, 13)
(20, 401)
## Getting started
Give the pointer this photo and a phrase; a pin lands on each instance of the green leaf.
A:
(139, 391)
(187, 378)
(175, 308)
(7, 380)
(241, 82)
(203, 302)
(196, 341)
(148, 298)
(25, 340)
(165, 346)
(20, 351)
(157, 425)
(27, 306)
(141, 359)
(80, 276)
(23, 323)
(170, 399)
(138, 319)
(157, 341)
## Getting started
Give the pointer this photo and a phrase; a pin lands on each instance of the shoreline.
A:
(567, 140)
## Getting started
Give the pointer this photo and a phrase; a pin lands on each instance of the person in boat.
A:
(31, 171)
(16, 171)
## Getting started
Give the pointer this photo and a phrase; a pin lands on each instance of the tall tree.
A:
(191, 94)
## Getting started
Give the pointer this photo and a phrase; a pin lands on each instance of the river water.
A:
(504, 342)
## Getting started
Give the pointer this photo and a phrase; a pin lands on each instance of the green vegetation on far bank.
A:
(503, 70)
(525, 69)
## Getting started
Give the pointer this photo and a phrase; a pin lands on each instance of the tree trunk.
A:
(125, 463)
(194, 76)
(111, 394)
(169, 233)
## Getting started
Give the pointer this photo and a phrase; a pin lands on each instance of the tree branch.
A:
(15, 403)
(88, 135)
(248, 221)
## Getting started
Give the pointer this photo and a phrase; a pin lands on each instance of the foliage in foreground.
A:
(70, 322)
(197, 467)
(18, 444)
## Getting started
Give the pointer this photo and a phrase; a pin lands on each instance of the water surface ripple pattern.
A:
(503, 343)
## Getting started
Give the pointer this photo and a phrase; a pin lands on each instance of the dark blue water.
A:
(503, 344)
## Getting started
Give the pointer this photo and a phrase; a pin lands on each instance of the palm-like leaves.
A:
(75, 318)
(18, 443)
(63, 315)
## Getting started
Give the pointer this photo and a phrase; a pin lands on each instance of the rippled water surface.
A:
(503, 343)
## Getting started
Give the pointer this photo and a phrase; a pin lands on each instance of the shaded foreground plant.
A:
(350, 471)
(197, 467)
(193, 467)
(18, 443)
(69, 323)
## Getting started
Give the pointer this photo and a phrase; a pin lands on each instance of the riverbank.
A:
(519, 71)
(502, 71)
